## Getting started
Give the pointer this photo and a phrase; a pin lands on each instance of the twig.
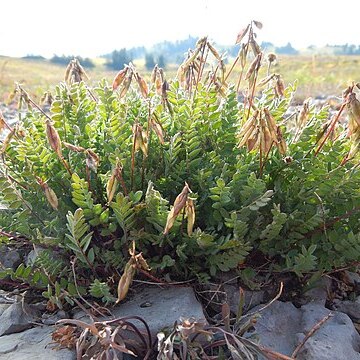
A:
(274, 355)
(269, 303)
(315, 328)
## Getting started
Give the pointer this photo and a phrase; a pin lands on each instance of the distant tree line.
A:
(347, 49)
(118, 58)
(65, 59)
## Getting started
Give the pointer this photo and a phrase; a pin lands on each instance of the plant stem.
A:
(332, 127)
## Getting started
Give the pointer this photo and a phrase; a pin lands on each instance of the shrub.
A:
(95, 180)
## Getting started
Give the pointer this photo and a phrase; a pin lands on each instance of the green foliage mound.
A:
(99, 175)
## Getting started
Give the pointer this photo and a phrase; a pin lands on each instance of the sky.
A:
(92, 28)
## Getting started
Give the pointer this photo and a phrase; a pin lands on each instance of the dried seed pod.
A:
(111, 187)
(126, 279)
(68, 71)
(265, 80)
(214, 51)
(119, 77)
(142, 85)
(190, 212)
(6, 141)
(92, 160)
(353, 106)
(304, 114)
(140, 139)
(154, 74)
(49, 193)
(73, 147)
(241, 34)
(141, 262)
(279, 86)
(155, 125)
(255, 47)
(254, 66)
(2, 122)
(281, 144)
(243, 55)
(179, 205)
(254, 139)
(51, 197)
(271, 124)
(258, 24)
(126, 85)
(53, 138)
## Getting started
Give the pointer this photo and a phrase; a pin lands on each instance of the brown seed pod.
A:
(53, 138)
(6, 141)
(179, 205)
(353, 106)
(258, 24)
(126, 279)
(190, 212)
(214, 51)
(241, 34)
(126, 85)
(255, 47)
(92, 160)
(154, 74)
(155, 125)
(279, 86)
(142, 85)
(73, 147)
(111, 187)
(119, 78)
(254, 66)
(49, 193)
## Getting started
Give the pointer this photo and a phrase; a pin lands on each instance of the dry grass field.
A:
(317, 75)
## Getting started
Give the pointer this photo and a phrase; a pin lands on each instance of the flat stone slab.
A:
(161, 307)
(32, 344)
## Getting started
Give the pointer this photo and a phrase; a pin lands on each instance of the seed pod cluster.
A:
(139, 139)
(75, 73)
(124, 78)
(191, 70)
(261, 132)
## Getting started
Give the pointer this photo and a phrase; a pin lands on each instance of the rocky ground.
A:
(322, 321)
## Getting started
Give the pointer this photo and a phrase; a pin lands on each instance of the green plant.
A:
(94, 177)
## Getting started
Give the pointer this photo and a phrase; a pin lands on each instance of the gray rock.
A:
(336, 339)
(354, 278)
(350, 308)
(282, 327)
(14, 319)
(51, 319)
(161, 307)
(32, 344)
(319, 292)
(252, 298)
(9, 258)
(277, 326)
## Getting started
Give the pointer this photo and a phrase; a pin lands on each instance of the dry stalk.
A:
(311, 332)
